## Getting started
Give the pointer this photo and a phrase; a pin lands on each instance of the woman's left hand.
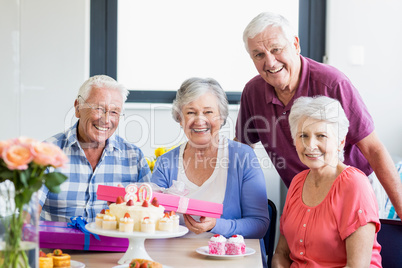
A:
(204, 225)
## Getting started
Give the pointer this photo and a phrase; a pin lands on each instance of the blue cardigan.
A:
(245, 208)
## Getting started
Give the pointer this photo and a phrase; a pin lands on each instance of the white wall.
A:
(364, 41)
(9, 69)
(44, 59)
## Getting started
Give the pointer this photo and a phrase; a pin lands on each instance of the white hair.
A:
(320, 108)
(192, 89)
(262, 21)
(98, 81)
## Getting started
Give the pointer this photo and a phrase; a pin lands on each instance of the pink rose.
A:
(17, 156)
(3, 146)
(46, 154)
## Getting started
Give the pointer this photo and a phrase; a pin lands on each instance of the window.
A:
(161, 43)
(157, 44)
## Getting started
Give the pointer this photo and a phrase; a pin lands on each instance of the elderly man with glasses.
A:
(97, 155)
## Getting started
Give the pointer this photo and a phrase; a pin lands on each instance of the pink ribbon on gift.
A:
(183, 205)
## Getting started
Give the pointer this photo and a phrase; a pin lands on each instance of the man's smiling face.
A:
(275, 58)
(95, 126)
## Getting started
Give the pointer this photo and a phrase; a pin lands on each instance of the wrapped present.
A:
(63, 235)
(171, 202)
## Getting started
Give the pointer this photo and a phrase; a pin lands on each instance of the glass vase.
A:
(19, 233)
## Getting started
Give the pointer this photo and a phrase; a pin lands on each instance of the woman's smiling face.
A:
(317, 144)
(201, 120)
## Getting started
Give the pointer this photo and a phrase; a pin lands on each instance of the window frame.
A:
(103, 44)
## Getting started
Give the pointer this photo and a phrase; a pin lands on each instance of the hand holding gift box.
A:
(171, 202)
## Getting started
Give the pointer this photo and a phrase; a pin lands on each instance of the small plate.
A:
(76, 264)
(205, 251)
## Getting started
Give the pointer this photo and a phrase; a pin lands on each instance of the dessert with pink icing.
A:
(217, 245)
(148, 225)
(126, 224)
(235, 245)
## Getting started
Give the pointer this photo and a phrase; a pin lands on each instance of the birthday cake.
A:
(136, 212)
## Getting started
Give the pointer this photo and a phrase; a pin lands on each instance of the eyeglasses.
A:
(100, 111)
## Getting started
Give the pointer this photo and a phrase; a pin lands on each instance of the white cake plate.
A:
(136, 248)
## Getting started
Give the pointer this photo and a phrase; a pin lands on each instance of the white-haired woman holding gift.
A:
(212, 167)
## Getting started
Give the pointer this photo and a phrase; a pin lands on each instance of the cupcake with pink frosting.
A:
(217, 245)
(235, 245)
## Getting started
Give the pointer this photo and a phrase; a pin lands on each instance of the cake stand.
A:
(136, 248)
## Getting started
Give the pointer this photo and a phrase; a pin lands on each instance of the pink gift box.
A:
(171, 202)
(56, 235)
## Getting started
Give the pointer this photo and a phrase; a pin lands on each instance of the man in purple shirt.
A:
(285, 75)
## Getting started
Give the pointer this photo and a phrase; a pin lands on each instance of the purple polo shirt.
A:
(263, 117)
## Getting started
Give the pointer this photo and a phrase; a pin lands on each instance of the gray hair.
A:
(320, 108)
(262, 21)
(98, 81)
(192, 89)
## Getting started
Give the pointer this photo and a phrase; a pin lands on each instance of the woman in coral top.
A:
(330, 218)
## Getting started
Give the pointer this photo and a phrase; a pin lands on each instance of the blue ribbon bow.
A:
(79, 223)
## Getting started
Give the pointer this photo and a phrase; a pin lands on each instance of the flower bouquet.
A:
(25, 165)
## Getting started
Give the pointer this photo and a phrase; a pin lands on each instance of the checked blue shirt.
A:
(121, 162)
